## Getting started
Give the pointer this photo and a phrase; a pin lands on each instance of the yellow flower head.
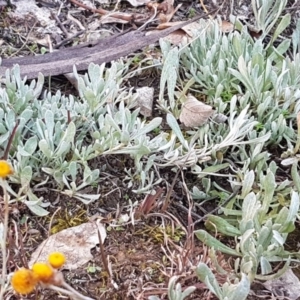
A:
(56, 259)
(5, 169)
(23, 281)
(43, 272)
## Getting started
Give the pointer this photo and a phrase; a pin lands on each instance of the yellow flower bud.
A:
(5, 169)
(23, 281)
(43, 272)
(56, 259)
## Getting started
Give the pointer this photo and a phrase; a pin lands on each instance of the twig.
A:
(69, 291)
(51, 221)
(11, 137)
(170, 190)
(65, 41)
(102, 252)
(205, 9)
(69, 116)
(297, 146)
(217, 208)
(202, 218)
(102, 11)
(20, 244)
(74, 20)
(150, 20)
(4, 237)
(190, 237)
(69, 36)
(60, 24)
(26, 40)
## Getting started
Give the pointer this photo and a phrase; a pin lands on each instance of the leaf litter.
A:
(75, 242)
(194, 112)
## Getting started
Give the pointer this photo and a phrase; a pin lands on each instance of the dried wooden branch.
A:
(102, 51)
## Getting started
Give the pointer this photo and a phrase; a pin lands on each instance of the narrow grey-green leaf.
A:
(266, 267)
(284, 23)
(247, 183)
(44, 147)
(153, 124)
(296, 176)
(250, 207)
(212, 242)
(206, 275)
(49, 121)
(223, 226)
(31, 144)
(175, 127)
(69, 133)
(265, 236)
(269, 186)
(26, 175)
(214, 169)
(37, 210)
(242, 289)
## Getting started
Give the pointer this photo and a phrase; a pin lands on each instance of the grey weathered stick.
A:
(102, 51)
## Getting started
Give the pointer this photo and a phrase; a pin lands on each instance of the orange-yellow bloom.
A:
(56, 259)
(23, 281)
(43, 272)
(5, 169)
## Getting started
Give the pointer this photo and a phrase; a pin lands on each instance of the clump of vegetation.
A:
(254, 85)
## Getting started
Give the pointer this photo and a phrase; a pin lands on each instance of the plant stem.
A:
(4, 237)
(75, 293)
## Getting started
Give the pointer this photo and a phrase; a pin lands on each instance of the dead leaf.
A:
(145, 100)
(256, 34)
(193, 29)
(226, 26)
(168, 25)
(137, 2)
(149, 203)
(103, 1)
(220, 118)
(195, 113)
(75, 243)
(286, 285)
(168, 11)
(166, 6)
(177, 37)
(106, 19)
(183, 35)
